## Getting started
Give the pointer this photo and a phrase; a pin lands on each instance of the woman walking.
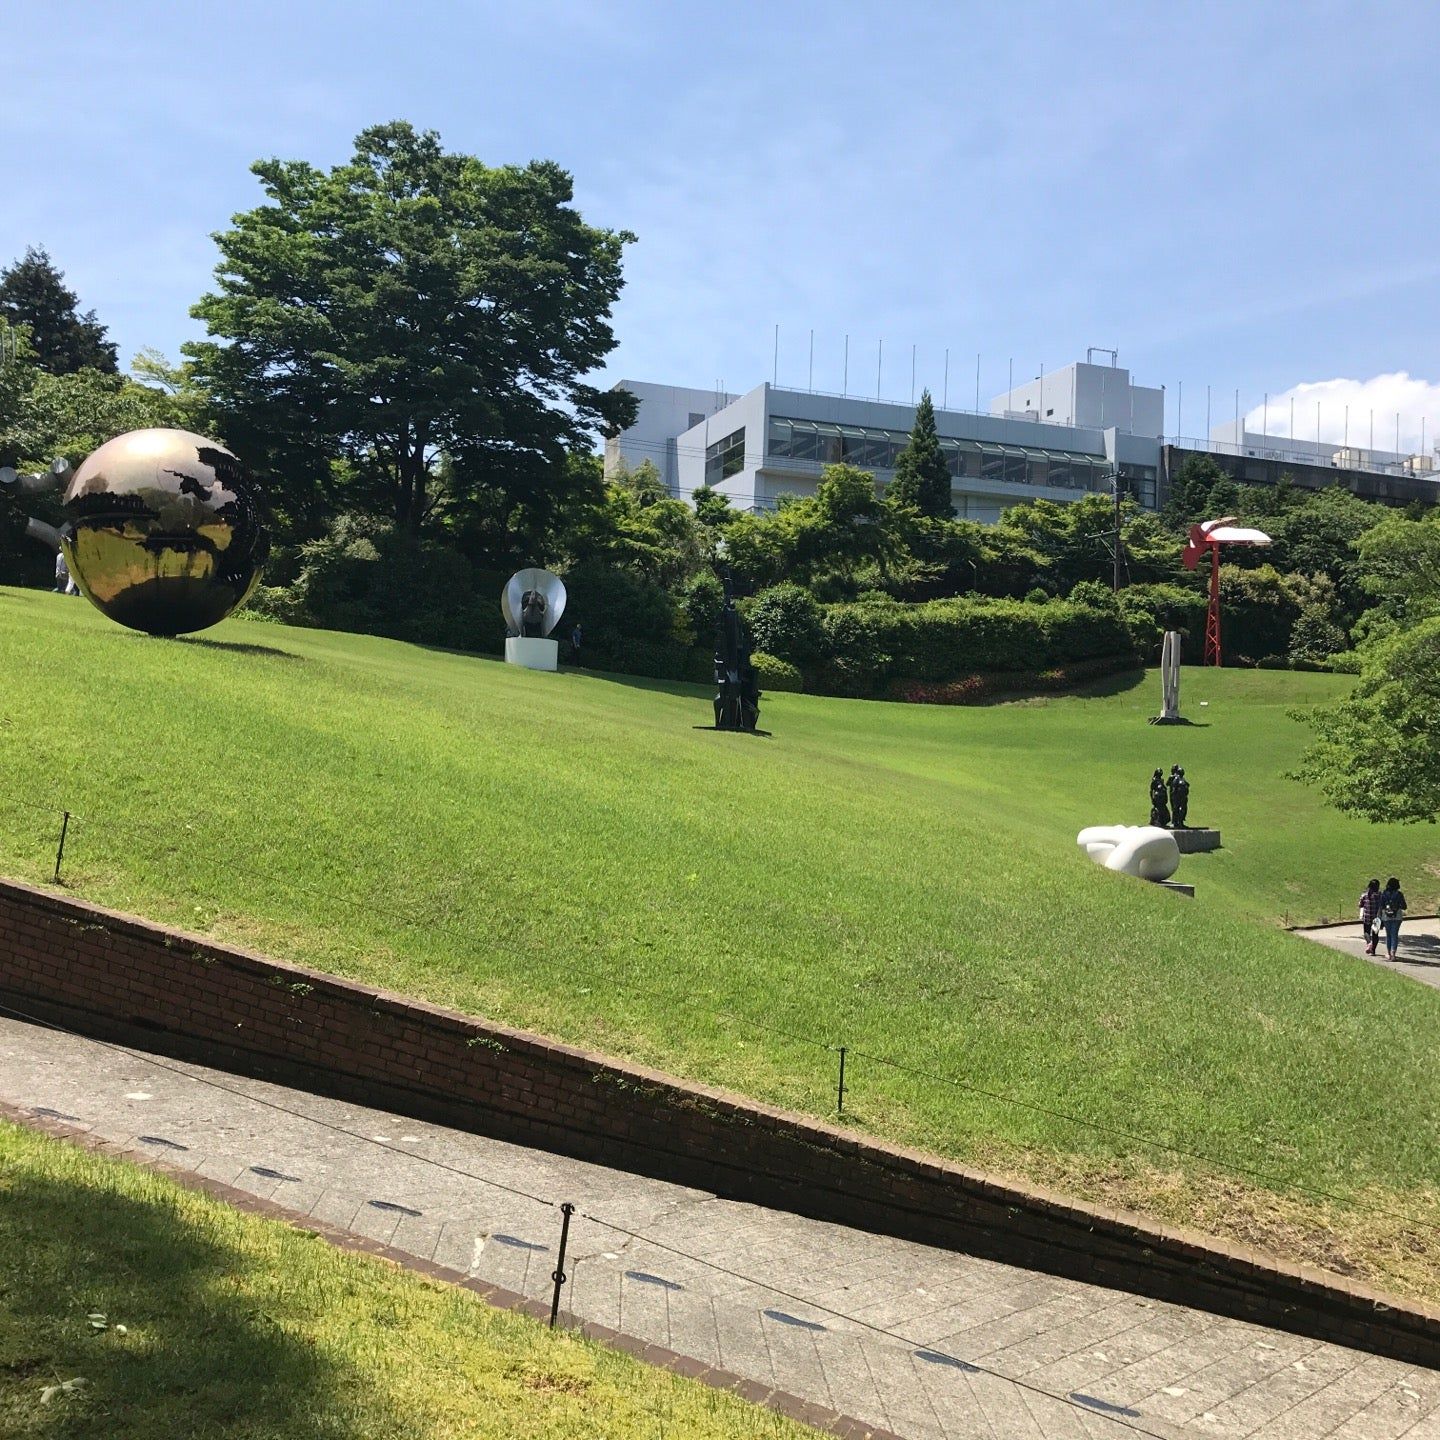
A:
(1392, 912)
(1370, 916)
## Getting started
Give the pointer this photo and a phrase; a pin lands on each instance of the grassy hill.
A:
(569, 853)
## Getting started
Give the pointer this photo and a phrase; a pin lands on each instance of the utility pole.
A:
(1115, 492)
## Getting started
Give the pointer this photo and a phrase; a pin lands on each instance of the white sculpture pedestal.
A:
(531, 653)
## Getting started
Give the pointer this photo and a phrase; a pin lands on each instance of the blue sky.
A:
(1240, 195)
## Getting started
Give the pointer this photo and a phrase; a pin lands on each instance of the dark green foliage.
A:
(1257, 613)
(1071, 541)
(33, 293)
(712, 509)
(786, 622)
(1194, 488)
(701, 600)
(629, 622)
(1377, 753)
(773, 673)
(368, 577)
(407, 305)
(871, 641)
(1150, 610)
(1398, 566)
(922, 478)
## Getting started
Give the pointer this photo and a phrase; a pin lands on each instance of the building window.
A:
(823, 442)
(725, 457)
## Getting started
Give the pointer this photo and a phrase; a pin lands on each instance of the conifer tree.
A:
(33, 293)
(922, 478)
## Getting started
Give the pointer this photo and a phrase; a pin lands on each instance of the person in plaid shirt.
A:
(1370, 916)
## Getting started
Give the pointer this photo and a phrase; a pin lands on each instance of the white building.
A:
(772, 442)
(1056, 437)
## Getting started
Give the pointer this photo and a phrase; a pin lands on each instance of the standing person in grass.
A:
(1370, 916)
(1392, 912)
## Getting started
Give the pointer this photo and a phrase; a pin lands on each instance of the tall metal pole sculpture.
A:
(1208, 537)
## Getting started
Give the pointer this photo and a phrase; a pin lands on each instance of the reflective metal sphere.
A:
(164, 532)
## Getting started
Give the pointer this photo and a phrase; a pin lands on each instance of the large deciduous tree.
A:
(409, 311)
(922, 478)
(33, 293)
(1377, 753)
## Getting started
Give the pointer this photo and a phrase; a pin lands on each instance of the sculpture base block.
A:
(1193, 842)
(532, 654)
(1178, 887)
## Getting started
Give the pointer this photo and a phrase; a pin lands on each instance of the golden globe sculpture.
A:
(164, 532)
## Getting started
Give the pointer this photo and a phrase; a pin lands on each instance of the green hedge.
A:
(871, 642)
(772, 673)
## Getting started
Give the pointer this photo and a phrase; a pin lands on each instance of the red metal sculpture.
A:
(1209, 536)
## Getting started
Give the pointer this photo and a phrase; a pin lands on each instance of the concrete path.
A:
(1419, 950)
(919, 1341)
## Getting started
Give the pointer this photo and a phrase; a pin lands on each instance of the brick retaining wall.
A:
(118, 977)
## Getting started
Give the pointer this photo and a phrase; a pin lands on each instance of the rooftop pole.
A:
(845, 381)
(879, 361)
(945, 394)
(775, 373)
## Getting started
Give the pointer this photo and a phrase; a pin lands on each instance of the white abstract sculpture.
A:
(1170, 677)
(1145, 851)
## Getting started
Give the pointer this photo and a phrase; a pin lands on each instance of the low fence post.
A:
(558, 1273)
(840, 1089)
(60, 850)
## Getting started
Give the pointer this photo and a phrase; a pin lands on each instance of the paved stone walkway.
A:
(1419, 950)
(922, 1342)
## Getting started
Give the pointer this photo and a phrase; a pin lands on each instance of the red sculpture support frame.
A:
(1209, 536)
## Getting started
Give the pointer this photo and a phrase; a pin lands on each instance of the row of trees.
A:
(400, 348)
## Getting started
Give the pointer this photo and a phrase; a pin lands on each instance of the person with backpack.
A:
(1392, 912)
(1370, 916)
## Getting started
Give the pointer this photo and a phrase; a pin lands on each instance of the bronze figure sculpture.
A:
(1159, 809)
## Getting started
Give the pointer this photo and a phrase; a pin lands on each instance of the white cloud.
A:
(1357, 409)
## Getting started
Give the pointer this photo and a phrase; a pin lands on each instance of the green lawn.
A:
(568, 853)
(211, 1323)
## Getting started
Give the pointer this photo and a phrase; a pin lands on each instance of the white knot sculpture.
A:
(1145, 851)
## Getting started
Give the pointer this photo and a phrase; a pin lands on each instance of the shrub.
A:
(1150, 610)
(363, 576)
(772, 673)
(628, 621)
(786, 622)
(976, 689)
(878, 639)
(701, 600)
(856, 657)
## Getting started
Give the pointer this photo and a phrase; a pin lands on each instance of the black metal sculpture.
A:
(1179, 788)
(737, 697)
(1159, 809)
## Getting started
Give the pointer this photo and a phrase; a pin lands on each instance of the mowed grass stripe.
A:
(569, 853)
